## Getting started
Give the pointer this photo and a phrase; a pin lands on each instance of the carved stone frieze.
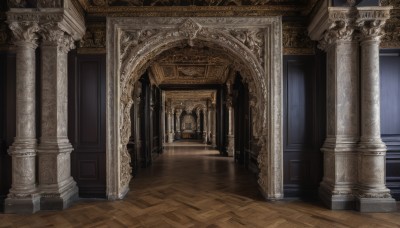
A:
(32, 4)
(241, 38)
(186, 2)
(391, 39)
(295, 40)
(94, 39)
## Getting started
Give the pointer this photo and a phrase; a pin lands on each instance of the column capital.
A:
(25, 33)
(340, 26)
(52, 34)
(371, 21)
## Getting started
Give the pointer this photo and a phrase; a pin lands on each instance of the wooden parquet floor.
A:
(191, 186)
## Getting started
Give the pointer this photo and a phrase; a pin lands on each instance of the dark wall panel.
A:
(303, 121)
(87, 123)
(390, 117)
(7, 118)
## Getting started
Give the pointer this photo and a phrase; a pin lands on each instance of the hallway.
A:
(190, 185)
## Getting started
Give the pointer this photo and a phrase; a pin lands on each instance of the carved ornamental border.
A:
(132, 44)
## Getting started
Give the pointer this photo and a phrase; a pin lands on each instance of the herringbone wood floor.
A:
(191, 186)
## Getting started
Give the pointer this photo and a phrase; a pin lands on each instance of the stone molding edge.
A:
(117, 81)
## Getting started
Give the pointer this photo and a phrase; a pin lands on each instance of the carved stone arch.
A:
(254, 42)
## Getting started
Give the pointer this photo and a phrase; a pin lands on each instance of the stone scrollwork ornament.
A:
(51, 33)
(25, 32)
(339, 30)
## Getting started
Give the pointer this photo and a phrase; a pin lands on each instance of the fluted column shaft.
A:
(55, 181)
(23, 195)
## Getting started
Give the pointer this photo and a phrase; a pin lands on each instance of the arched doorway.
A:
(255, 43)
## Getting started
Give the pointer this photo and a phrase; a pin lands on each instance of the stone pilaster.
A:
(340, 146)
(230, 138)
(58, 188)
(23, 196)
(178, 113)
(373, 195)
(205, 138)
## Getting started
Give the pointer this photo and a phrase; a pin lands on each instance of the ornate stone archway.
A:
(255, 44)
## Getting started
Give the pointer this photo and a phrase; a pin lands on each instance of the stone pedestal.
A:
(373, 195)
(57, 187)
(23, 196)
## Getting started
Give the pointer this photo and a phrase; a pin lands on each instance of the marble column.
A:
(23, 196)
(230, 138)
(213, 127)
(205, 125)
(198, 123)
(169, 126)
(178, 113)
(58, 188)
(373, 195)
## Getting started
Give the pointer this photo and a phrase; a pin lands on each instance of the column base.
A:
(22, 205)
(336, 201)
(376, 205)
(61, 201)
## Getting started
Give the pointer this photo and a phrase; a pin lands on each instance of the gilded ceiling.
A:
(191, 65)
